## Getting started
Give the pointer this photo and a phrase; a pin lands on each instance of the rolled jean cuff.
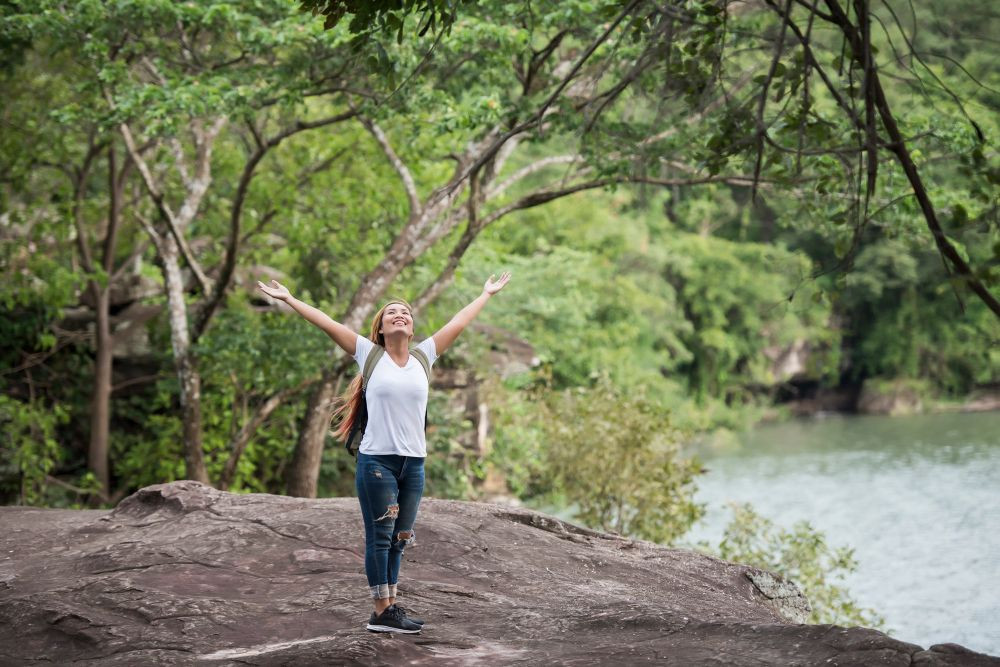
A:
(392, 590)
(381, 591)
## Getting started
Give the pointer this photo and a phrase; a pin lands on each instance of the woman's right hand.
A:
(275, 290)
(341, 335)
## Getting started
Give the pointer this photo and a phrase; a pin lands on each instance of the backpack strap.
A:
(361, 412)
(370, 361)
(421, 356)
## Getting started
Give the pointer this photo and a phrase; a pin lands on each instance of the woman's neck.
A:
(398, 348)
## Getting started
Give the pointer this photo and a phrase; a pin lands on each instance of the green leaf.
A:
(840, 217)
(959, 216)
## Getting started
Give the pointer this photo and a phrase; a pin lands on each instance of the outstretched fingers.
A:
(275, 290)
(494, 285)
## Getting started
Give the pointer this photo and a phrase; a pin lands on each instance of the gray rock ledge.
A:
(183, 574)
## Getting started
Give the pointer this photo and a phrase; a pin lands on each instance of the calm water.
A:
(918, 498)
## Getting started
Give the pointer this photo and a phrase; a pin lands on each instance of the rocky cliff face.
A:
(182, 574)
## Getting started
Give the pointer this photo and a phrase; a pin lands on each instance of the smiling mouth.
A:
(403, 322)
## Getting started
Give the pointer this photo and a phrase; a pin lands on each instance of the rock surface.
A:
(889, 397)
(183, 574)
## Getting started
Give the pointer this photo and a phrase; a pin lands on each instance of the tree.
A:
(510, 99)
(835, 126)
(260, 67)
(56, 176)
(617, 460)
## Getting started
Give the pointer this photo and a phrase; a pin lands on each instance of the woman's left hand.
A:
(493, 286)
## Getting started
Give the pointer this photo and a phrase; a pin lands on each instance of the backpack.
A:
(353, 441)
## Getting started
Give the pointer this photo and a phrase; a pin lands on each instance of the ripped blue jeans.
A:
(389, 489)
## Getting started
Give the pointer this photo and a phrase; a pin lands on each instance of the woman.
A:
(390, 470)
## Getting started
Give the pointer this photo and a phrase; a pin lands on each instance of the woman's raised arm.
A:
(449, 332)
(341, 335)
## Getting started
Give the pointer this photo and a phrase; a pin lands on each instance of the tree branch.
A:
(242, 438)
(532, 168)
(69, 487)
(447, 274)
(539, 115)
(538, 59)
(404, 173)
(214, 298)
(898, 147)
(79, 179)
(814, 64)
(762, 100)
(741, 83)
(162, 207)
(475, 226)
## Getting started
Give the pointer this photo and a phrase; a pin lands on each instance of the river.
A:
(918, 498)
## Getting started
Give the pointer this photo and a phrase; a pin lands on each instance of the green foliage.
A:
(625, 292)
(519, 449)
(385, 16)
(26, 330)
(741, 300)
(890, 291)
(802, 556)
(247, 358)
(451, 468)
(567, 294)
(147, 448)
(616, 459)
(29, 449)
(261, 50)
(37, 282)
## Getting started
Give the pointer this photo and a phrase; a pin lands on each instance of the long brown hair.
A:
(350, 400)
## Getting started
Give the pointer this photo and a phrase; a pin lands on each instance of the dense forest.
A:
(715, 213)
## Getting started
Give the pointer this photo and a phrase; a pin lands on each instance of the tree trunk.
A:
(184, 362)
(100, 409)
(194, 460)
(304, 470)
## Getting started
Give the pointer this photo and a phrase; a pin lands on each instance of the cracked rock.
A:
(184, 574)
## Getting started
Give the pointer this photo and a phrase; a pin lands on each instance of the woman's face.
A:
(397, 318)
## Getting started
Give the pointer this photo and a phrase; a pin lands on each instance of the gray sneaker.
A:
(392, 620)
(412, 619)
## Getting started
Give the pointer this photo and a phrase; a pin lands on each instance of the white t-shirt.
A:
(397, 401)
